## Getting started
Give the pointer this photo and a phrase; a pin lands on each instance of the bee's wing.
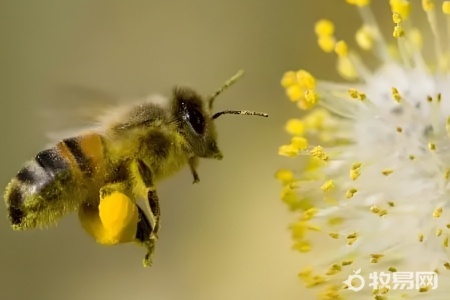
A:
(77, 110)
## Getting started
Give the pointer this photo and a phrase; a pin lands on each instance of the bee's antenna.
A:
(239, 112)
(226, 85)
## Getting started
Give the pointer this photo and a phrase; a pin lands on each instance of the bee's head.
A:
(195, 121)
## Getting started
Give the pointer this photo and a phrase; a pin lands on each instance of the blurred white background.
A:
(226, 238)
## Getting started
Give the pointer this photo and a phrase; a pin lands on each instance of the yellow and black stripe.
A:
(51, 177)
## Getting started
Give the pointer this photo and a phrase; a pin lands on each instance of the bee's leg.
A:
(146, 237)
(148, 226)
(193, 162)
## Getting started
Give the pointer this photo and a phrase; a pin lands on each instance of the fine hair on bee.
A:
(103, 172)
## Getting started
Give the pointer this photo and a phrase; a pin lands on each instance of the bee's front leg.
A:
(193, 162)
(148, 226)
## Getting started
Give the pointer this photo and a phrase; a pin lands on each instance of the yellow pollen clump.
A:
(445, 242)
(432, 146)
(439, 232)
(437, 212)
(446, 7)
(310, 99)
(427, 5)
(334, 269)
(402, 7)
(375, 257)
(295, 127)
(350, 193)
(395, 94)
(355, 171)
(392, 269)
(329, 185)
(334, 235)
(396, 18)
(364, 37)
(399, 129)
(305, 79)
(447, 265)
(387, 172)
(347, 262)
(319, 153)
(421, 237)
(398, 31)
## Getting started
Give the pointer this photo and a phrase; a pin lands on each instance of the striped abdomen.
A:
(55, 182)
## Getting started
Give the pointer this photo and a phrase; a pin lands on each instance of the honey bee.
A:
(103, 172)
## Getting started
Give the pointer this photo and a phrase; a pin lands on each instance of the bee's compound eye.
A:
(195, 118)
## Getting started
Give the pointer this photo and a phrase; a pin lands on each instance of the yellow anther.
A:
(439, 97)
(352, 235)
(399, 129)
(341, 48)
(395, 94)
(324, 27)
(432, 146)
(329, 185)
(319, 153)
(437, 212)
(358, 2)
(411, 157)
(398, 31)
(288, 79)
(424, 289)
(294, 93)
(364, 37)
(391, 204)
(446, 7)
(353, 93)
(421, 237)
(403, 7)
(387, 172)
(447, 265)
(326, 43)
(447, 174)
(447, 126)
(350, 193)
(310, 99)
(287, 150)
(445, 242)
(347, 262)
(375, 209)
(429, 99)
(355, 173)
(396, 18)
(362, 96)
(299, 143)
(346, 68)
(305, 80)
(375, 257)
(334, 235)
(382, 212)
(392, 269)
(427, 5)
(295, 127)
(439, 232)
(310, 213)
(284, 176)
(415, 36)
(334, 269)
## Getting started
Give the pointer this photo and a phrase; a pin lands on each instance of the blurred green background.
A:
(226, 238)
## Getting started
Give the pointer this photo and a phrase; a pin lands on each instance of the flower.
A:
(371, 188)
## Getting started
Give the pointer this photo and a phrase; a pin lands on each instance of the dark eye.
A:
(195, 118)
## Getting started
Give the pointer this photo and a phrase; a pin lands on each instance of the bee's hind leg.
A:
(148, 225)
